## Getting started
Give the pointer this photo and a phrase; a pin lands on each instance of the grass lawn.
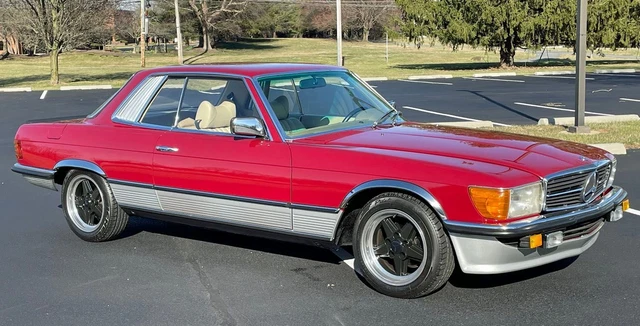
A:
(365, 58)
(627, 132)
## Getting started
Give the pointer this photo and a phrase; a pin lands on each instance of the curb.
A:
(467, 124)
(569, 121)
(613, 148)
(15, 89)
(554, 73)
(615, 71)
(86, 87)
(368, 79)
(430, 77)
(496, 74)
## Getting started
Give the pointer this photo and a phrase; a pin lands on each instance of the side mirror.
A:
(248, 126)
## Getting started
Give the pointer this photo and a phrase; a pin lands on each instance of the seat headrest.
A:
(210, 116)
(280, 107)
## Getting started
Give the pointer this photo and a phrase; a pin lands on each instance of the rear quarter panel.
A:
(122, 152)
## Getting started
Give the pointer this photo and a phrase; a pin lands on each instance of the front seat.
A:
(280, 107)
(211, 118)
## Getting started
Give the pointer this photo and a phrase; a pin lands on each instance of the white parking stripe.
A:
(450, 115)
(495, 79)
(425, 82)
(345, 256)
(43, 95)
(558, 109)
(633, 211)
(559, 77)
(629, 99)
(618, 75)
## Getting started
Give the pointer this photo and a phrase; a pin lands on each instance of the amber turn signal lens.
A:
(17, 147)
(491, 203)
(625, 204)
(535, 241)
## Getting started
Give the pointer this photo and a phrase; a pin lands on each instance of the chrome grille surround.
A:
(564, 190)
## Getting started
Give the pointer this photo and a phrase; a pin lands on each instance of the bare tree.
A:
(212, 12)
(370, 12)
(61, 24)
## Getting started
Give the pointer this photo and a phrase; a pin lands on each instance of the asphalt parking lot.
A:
(168, 274)
(510, 100)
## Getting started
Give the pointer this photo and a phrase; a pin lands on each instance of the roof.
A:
(246, 69)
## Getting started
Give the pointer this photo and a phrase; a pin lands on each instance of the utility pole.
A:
(179, 34)
(387, 47)
(581, 58)
(143, 9)
(339, 30)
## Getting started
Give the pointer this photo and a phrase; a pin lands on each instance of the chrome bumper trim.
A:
(31, 171)
(36, 176)
(543, 223)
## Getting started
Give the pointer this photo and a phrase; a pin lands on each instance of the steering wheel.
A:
(352, 113)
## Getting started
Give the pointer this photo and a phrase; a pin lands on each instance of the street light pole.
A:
(339, 30)
(581, 58)
(178, 33)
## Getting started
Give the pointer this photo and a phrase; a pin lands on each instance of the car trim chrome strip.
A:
(321, 209)
(397, 184)
(31, 171)
(543, 222)
(80, 164)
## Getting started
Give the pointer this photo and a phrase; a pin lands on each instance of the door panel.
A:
(222, 177)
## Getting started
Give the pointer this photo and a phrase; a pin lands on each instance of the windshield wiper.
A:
(394, 113)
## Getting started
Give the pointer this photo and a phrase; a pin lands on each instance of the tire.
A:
(95, 217)
(385, 253)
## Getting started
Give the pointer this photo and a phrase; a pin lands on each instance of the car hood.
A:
(539, 156)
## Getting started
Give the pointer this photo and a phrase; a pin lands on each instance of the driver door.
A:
(203, 171)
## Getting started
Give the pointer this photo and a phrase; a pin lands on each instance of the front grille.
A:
(564, 191)
(583, 229)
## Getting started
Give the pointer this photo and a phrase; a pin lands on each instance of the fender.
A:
(79, 164)
(401, 185)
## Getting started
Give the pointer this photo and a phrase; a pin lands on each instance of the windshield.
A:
(317, 102)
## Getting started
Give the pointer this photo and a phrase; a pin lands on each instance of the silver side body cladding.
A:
(268, 216)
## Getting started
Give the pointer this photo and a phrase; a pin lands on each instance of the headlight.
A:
(502, 204)
(612, 175)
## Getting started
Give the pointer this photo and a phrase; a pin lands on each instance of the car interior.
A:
(311, 104)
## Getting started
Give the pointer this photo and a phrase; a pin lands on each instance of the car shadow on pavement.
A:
(305, 249)
(473, 281)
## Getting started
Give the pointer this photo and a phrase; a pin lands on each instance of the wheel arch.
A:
(359, 196)
(63, 167)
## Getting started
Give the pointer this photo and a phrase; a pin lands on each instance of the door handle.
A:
(166, 149)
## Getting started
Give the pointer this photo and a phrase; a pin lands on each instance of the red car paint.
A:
(317, 170)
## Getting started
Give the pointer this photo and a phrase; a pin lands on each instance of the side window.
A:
(164, 107)
(209, 104)
(283, 93)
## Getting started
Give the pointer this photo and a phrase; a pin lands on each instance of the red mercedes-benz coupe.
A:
(311, 151)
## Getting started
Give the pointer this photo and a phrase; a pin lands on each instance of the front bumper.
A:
(493, 249)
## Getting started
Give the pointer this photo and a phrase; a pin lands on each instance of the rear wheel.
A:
(90, 207)
(401, 246)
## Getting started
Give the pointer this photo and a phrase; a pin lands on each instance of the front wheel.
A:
(90, 207)
(401, 246)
